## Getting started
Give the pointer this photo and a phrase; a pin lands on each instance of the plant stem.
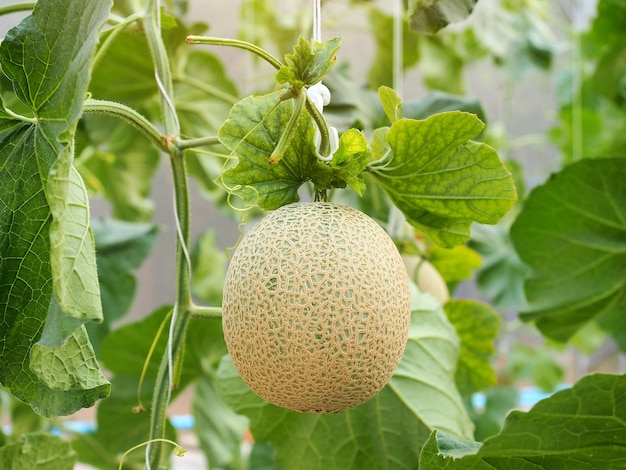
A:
(206, 313)
(166, 377)
(199, 142)
(132, 117)
(16, 8)
(263, 54)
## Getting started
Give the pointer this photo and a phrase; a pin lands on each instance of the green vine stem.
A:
(206, 313)
(16, 8)
(262, 53)
(132, 117)
(167, 375)
(185, 144)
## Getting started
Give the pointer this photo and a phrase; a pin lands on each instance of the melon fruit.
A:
(316, 307)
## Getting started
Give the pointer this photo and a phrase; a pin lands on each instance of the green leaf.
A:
(251, 133)
(38, 451)
(429, 16)
(439, 102)
(310, 62)
(46, 57)
(72, 246)
(572, 234)
(384, 432)
(220, 431)
(441, 180)
(71, 366)
(346, 166)
(577, 428)
(477, 326)
(392, 103)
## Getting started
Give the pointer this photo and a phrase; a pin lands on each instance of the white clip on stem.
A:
(319, 94)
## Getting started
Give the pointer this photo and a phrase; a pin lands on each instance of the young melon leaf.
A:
(392, 104)
(384, 432)
(441, 180)
(310, 62)
(47, 59)
(581, 427)
(251, 134)
(572, 234)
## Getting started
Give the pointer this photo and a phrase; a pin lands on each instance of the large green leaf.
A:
(429, 16)
(38, 451)
(386, 431)
(47, 59)
(572, 234)
(579, 428)
(440, 179)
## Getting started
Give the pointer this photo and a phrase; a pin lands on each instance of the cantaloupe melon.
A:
(316, 307)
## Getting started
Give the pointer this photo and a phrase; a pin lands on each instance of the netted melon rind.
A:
(316, 307)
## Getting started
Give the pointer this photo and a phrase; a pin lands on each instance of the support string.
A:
(317, 20)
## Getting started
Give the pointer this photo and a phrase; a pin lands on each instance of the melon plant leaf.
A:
(440, 179)
(72, 246)
(38, 450)
(572, 235)
(252, 132)
(477, 326)
(579, 428)
(429, 16)
(46, 58)
(383, 432)
(309, 63)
